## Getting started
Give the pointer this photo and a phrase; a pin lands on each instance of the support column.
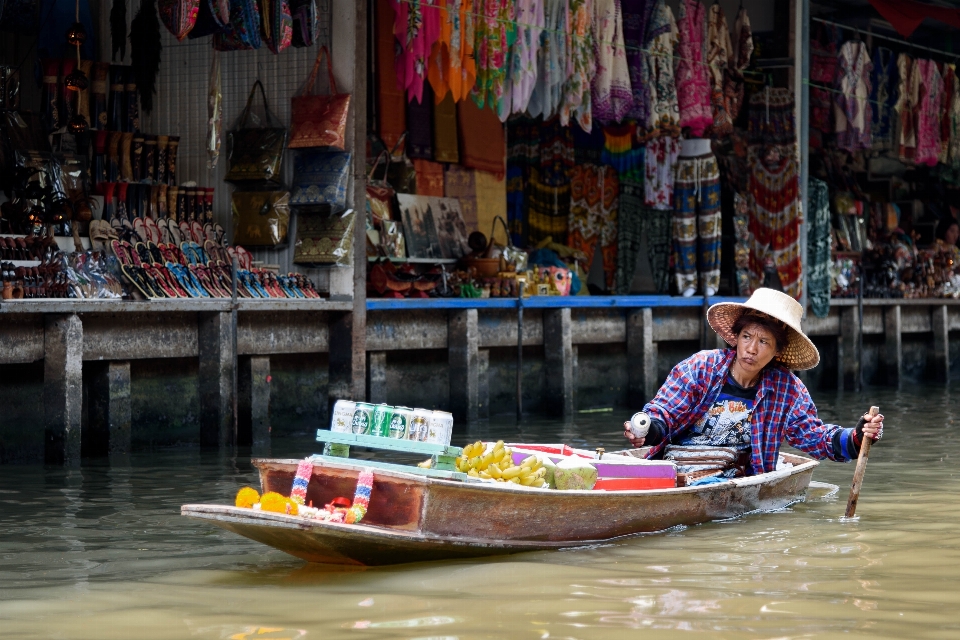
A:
(641, 357)
(849, 360)
(377, 370)
(558, 362)
(348, 355)
(463, 338)
(108, 430)
(940, 322)
(483, 383)
(892, 331)
(253, 404)
(62, 388)
(217, 362)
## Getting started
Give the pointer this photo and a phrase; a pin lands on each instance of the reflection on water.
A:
(101, 552)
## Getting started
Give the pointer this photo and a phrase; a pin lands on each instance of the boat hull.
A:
(413, 519)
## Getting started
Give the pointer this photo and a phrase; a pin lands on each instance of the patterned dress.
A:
(580, 67)
(818, 249)
(928, 112)
(775, 224)
(853, 112)
(719, 51)
(663, 108)
(693, 85)
(612, 97)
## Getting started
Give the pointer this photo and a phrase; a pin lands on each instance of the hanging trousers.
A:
(696, 216)
(633, 219)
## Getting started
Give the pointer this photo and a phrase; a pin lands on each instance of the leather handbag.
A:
(178, 16)
(260, 218)
(243, 30)
(256, 152)
(321, 177)
(319, 121)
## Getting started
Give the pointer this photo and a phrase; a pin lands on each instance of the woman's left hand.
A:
(872, 426)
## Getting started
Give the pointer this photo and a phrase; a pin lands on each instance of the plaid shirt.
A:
(783, 408)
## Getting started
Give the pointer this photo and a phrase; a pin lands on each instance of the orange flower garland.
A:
(247, 497)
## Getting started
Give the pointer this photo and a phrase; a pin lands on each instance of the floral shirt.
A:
(611, 94)
(659, 169)
(783, 409)
(580, 67)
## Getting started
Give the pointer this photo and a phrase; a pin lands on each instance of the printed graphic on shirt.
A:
(726, 424)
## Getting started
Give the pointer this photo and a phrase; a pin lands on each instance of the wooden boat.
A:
(414, 518)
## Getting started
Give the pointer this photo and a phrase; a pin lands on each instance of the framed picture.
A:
(451, 229)
(419, 226)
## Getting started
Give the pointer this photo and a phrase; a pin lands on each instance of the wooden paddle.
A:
(861, 467)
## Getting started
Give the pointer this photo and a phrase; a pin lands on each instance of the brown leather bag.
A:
(319, 121)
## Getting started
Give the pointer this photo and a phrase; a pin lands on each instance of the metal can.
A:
(440, 427)
(400, 422)
(640, 425)
(363, 418)
(382, 415)
(419, 425)
(342, 419)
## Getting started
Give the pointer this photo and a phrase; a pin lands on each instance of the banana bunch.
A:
(497, 464)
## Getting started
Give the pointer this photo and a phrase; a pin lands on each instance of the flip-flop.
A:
(196, 231)
(244, 257)
(141, 230)
(185, 232)
(220, 235)
(153, 232)
(174, 231)
(164, 231)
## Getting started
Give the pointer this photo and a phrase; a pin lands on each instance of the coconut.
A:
(574, 474)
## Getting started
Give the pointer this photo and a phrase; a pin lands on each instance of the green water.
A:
(102, 552)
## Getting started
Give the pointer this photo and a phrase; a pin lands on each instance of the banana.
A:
(498, 455)
(525, 472)
(514, 480)
(528, 461)
(511, 473)
(485, 460)
(473, 462)
(506, 463)
(473, 473)
(531, 481)
(498, 446)
(494, 471)
(484, 475)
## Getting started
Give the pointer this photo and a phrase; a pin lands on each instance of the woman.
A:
(725, 412)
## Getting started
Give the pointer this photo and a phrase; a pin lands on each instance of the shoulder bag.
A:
(256, 152)
(319, 121)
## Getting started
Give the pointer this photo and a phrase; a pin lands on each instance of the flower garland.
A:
(339, 510)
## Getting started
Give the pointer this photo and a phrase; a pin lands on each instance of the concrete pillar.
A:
(62, 388)
(217, 362)
(641, 357)
(348, 355)
(253, 404)
(940, 322)
(108, 429)
(849, 355)
(892, 331)
(463, 338)
(483, 383)
(558, 362)
(377, 370)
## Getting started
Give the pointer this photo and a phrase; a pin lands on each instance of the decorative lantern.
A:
(77, 34)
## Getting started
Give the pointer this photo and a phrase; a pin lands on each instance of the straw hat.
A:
(799, 353)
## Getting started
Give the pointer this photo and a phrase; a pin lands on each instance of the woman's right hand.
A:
(636, 442)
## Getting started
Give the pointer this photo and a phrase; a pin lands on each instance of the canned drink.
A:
(400, 422)
(342, 419)
(382, 415)
(419, 426)
(640, 425)
(363, 418)
(440, 427)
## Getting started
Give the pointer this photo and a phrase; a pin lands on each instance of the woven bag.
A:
(243, 30)
(213, 17)
(178, 16)
(319, 121)
(277, 24)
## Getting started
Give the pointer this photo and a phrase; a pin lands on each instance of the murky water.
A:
(103, 553)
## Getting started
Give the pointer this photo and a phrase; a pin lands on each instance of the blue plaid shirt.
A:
(783, 409)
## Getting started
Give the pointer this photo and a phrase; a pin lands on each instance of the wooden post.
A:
(377, 371)
(849, 356)
(940, 322)
(108, 428)
(641, 357)
(558, 362)
(62, 388)
(463, 338)
(254, 404)
(893, 329)
(217, 362)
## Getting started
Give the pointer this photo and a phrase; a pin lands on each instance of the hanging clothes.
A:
(548, 191)
(928, 112)
(908, 94)
(588, 145)
(660, 169)
(482, 143)
(452, 67)
(391, 104)
(634, 220)
(823, 72)
(771, 117)
(620, 152)
(775, 224)
(522, 77)
(446, 147)
(429, 178)
(417, 27)
(581, 66)
(719, 52)
(551, 62)
(852, 111)
(523, 159)
(696, 217)
(739, 61)
(819, 281)
(946, 96)
(883, 83)
(953, 116)
(637, 15)
(611, 94)
(693, 85)
(594, 200)
(419, 142)
(494, 32)
(663, 106)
